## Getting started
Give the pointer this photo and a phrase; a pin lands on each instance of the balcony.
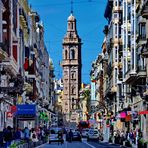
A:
(130, 77)
(3, 51)
(105, 31)
(11, 65)
(144, 50)
(141, 71)
(23, 18)
(117, 8)
(144, 11)
(141, 39)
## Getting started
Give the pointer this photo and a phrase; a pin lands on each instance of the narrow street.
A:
(76, 144)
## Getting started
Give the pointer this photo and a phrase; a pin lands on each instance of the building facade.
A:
(124, 55)
(71, 70)
(24, 65)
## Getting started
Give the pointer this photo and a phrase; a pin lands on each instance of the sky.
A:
(90, 25)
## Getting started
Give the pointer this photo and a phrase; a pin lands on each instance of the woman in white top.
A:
(34, 137)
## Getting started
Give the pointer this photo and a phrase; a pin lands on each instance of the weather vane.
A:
(71, 6)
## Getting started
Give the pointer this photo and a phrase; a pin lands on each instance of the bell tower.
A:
(71, 64)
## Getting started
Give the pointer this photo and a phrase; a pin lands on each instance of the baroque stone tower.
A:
(71, 70)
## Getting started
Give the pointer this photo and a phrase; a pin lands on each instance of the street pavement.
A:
(83, 144)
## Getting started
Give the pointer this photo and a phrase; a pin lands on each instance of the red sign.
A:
(13, 109)
(143, 112)
(9, 115)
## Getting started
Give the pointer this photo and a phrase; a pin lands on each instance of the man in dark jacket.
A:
(70, 135)
(1, 139)
(8, 136)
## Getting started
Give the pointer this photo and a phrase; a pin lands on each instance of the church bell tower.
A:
(71, 64)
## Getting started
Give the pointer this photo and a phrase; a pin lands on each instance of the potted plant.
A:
(141, 143)
(146, 144)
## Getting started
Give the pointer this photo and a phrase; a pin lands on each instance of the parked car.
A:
(93, 134)
(85, 132)
(76, 136)
(56, 135)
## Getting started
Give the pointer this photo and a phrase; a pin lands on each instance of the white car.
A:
(54, 136)
(84, 132)
(93, 134)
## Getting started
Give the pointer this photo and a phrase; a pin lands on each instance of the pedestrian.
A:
(17, 134)
(70, 135)
(34, 137)
(8, 136)
(60, 137)
(27, 135)
(1, 139)
(122, 137)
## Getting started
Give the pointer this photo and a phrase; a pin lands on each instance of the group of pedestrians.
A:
(129, 137)
(10, 134)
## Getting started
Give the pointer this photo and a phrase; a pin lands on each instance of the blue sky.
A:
(90, 24)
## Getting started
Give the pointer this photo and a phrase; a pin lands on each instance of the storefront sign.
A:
(26, 109)
(9, 115)
(13, 109)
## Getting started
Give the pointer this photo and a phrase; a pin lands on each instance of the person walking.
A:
(27, 135)
(60, 137)
(34, 137)
(8, 137)
(70, 135)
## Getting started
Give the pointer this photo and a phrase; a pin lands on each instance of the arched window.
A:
(73, 90)
(72, 75)
(72, 54)
(65, 54)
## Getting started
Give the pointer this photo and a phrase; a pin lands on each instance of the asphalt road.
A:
(83, 144)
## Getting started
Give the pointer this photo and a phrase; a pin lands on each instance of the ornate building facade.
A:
(71, 70)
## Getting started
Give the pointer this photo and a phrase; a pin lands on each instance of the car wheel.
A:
(49, 142)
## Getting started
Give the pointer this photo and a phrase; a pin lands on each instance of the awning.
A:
(143, 112)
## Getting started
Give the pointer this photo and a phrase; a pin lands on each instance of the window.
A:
(124, 11)
(133, 57)
(115, 15)
(116, 76)
(116, 3)
(65, 54)
(72, 75)
(73, 90)
(129, 13)
(129, 41)
(142, 30)
(133, 25)
(72, 54)
(116, 54)
(115, 30)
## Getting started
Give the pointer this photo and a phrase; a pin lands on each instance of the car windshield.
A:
(54, 131)
(95, 132)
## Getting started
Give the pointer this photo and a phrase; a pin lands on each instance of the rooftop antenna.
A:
(71, 6)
